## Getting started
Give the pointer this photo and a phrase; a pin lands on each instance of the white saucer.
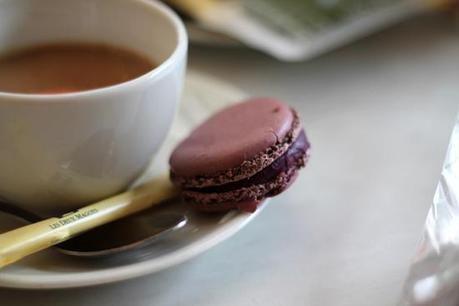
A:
(50, 269)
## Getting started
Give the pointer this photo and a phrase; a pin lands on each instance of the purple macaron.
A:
(241, 155)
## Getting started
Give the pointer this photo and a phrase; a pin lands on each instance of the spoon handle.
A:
(21, 242)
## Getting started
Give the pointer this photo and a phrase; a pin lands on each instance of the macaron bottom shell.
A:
(271, 181)
(249, 205)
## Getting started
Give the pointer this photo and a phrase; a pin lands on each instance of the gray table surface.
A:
(379, 113)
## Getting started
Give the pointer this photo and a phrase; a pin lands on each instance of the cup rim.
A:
(179, 50)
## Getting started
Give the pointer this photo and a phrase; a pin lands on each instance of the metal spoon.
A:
(132, 232)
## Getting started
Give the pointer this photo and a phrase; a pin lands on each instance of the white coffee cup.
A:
(58, 152)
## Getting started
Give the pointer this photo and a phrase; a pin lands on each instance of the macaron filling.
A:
(293, 158)
(269, 182)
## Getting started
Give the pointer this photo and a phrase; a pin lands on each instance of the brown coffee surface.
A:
(69, 67)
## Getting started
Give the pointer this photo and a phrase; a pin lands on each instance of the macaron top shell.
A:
(232, 136)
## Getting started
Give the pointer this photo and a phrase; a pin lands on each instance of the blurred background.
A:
(294, 30)
(376, 84)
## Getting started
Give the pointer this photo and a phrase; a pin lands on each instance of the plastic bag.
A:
(434, 274)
